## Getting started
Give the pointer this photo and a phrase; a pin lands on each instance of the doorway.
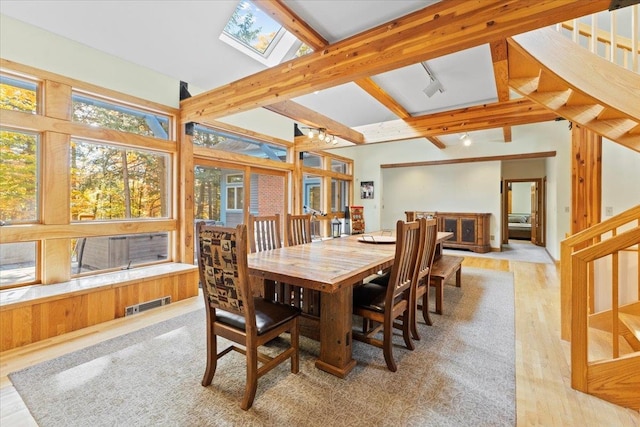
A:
(524, 210)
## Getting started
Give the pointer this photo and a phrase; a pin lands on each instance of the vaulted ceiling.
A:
(365, 79)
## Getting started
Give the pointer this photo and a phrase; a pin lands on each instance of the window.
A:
(255, 34)
(17, 264)
(311, 160)
(339, 194)
(339, 166)
(18, 94)
(312, 192)
(239, 144)
(19, 177)
(119, 251)
(100, 113)
(109, 182)
(235, 192)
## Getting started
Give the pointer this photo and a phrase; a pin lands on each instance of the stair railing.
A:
(619, 234)
(608, 42)
(583, 239)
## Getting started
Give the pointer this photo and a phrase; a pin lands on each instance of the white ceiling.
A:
(180, 39)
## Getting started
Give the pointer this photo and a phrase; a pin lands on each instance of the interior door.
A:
(535, 223)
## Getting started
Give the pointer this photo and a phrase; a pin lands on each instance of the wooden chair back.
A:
(428, 249)
(264, 233)
(409, 236)
(381, 313)
(420, 285)
(298, 229)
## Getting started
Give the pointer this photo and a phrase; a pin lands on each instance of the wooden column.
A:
(55, 254)
(586, 185)
(586, 194)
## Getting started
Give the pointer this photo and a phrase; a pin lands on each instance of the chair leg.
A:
(425, 307)
(387, 345)
(252, 378)
(406, 326)
(212, 356)
(413, 321)
(295, 335)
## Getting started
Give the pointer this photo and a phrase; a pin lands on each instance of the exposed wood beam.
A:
(437, 30)
(383, 97)
(311, 118)
(292, 22)
(435, 141)
(305, 33)
(481, 117)
(500, 59)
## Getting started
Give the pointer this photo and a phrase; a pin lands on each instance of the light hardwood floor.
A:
(543, 391)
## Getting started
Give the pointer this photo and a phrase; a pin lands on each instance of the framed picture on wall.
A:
(366, 190)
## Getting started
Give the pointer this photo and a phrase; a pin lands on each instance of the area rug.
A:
(514, 251)
(461, 373)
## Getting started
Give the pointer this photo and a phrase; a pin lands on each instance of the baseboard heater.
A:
(144, 306)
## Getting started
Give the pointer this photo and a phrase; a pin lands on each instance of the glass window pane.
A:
(267, 194)
(110, 182)
(18, 94)
(339, 195)
(18, 177)
(17, 263)
(339, 166)
(238, 144)
(120, 251)
(215, 199)
(311, 160)
(252, 27)
(312, 192)
(100, 113)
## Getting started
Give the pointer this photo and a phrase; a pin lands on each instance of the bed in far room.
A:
(520, 226)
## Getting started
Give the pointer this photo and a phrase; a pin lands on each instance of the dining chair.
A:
(298, 229)
(264, 235)
(233, 313)
(422, 277)
(381, 306)
(298, 233)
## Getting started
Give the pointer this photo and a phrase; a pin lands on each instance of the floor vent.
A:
(144, 306)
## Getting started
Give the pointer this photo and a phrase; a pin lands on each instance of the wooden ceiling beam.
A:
(304, 115)
(482, 117)
(500, 59)
(305, 33)
(437, 30)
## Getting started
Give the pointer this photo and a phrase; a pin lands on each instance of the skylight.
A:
(255, 34)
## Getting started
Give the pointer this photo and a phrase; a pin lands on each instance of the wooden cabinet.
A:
(470, 230)
(356, 216)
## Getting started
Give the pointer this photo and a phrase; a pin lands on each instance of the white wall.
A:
(543, 137)
(521, 197)
(462, 187)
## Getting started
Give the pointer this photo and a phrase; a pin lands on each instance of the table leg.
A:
(335, 333)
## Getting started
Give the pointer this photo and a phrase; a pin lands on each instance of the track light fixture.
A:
(434, 84)
(322, 135)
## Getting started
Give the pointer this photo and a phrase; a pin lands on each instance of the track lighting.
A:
(321, 134)
(465, 139)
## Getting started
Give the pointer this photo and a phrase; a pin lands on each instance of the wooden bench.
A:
(443, 268)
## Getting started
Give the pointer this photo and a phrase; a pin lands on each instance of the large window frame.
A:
(54, 233)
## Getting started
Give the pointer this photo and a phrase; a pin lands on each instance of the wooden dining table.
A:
(333, 267)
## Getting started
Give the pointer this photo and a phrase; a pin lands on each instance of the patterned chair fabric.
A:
(218, 250)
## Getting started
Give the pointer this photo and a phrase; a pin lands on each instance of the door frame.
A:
(541, 224)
